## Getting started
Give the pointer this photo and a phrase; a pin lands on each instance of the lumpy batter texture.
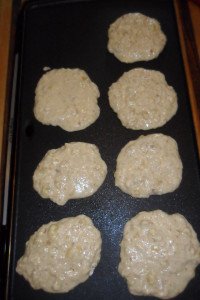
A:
(142, 99)
(135, 37)
(66, 98)
(76, 170)
(60, 255)
(159, 254)
(150, 165)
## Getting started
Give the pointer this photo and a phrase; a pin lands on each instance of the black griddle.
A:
(73, 34)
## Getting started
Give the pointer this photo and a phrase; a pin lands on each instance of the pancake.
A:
(75, 170)
(66, 98)
(159, 254)
(61, 255)
(135, 37)
(142, 99)
(149, 165)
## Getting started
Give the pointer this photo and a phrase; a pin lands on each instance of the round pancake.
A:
(60, 255)
(76, 170)
(159, 254)
(135, 37)
(66, 98)
(142, 99)
(149, 165)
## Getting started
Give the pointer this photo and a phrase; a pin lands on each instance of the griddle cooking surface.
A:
(74, 35)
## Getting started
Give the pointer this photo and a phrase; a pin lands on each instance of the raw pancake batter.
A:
(142, 99)
(66, 98)
(76, 170)
(60, 255)
(135, 37)
(150, 165)
(159, 254)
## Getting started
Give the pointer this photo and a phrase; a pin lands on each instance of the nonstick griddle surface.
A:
(74, 35)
